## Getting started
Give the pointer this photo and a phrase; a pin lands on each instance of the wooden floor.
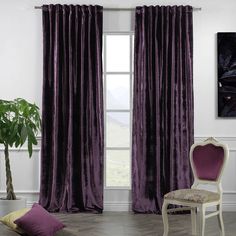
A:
(129, 224)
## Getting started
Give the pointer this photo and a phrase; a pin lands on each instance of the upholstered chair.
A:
(208, 161)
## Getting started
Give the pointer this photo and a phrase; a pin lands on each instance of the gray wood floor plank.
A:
(129, 224)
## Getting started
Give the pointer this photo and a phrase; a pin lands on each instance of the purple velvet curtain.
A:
(72, 125)
(163, 104)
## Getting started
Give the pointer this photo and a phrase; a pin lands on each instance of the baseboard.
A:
(117, 206)
(229, 206)
(29, 204)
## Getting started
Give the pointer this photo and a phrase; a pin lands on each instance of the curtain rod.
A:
(123, 9)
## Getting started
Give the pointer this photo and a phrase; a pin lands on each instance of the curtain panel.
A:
(162, 104)
(72, 116)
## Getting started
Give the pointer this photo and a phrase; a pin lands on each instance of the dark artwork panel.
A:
(226, 43)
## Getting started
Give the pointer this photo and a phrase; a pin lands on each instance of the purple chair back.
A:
(208, 161)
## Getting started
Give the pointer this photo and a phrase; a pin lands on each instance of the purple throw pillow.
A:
(38, 222)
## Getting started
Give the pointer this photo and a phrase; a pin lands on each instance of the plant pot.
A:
(7, 206)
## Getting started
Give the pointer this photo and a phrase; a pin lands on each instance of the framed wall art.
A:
(226, 44)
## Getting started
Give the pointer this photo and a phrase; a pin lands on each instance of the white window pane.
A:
(118, 91)
(118, 168)
(118, 53)
(118, 129)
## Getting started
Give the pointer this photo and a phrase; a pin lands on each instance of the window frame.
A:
(129, 111)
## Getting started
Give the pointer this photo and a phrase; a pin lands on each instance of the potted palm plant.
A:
(19, 123)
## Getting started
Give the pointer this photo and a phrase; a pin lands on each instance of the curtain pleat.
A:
(72, 116)
(162, 104)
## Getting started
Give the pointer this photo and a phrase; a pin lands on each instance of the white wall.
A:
(21, 75)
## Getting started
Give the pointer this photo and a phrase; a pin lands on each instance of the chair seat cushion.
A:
(193, 195)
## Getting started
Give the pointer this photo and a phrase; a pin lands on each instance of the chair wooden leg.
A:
(194, 220)
(165, 218)
(202, 220)
(220, 220)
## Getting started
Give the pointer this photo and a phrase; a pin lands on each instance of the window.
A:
(117, 62)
